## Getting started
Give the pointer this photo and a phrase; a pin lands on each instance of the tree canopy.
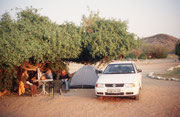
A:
(105, 38)
(34, 39)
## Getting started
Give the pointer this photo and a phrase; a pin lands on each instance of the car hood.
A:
(117, 78)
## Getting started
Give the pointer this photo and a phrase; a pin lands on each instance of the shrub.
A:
(142, 56)
(7, 80)
(130, 55)
(137, 53)
(177, 49)
(154, 51)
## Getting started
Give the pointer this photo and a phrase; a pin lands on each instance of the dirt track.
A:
(158, 99)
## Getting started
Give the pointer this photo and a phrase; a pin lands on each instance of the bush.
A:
(142, 56)
(177, 49)
(155, 51)
(137, 52)
(130, 55)
(7, 80)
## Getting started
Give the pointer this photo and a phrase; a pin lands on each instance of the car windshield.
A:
(119, 69)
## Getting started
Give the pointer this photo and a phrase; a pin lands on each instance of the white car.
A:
(120, 79)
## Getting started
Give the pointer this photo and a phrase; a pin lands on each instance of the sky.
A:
(145, 17)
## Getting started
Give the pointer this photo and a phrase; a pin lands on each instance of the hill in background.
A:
(162, 39)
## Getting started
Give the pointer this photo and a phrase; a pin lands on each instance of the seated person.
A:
(64, 77)
(22, 81)
(48, 74)
(27, 82)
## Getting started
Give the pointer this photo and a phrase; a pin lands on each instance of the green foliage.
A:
(71, 41)
(105, 38)
(130, 55)
(142, 56)
(6, 79)
(36, 39)
(58, 66)
(177, 49)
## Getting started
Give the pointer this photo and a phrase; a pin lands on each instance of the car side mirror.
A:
(139, 70)
(99, 71)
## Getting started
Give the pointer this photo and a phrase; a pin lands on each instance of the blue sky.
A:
(145, 17)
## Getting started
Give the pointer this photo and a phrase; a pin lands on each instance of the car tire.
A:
(136, 97)
(100, 97)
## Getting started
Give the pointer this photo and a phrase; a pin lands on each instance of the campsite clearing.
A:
(158, 98)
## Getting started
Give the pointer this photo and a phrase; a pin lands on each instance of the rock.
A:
(170, 69)
(163, 78)
(174, 79)
(158, 77)
(151, 74)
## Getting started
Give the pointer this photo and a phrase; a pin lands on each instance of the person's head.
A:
(49, 70)
(63, 73)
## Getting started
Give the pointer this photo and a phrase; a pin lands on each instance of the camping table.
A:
(44, 85)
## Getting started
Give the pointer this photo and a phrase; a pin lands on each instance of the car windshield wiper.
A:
(128, 73)
(114, 73)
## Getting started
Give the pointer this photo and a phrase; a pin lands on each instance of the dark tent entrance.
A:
(85, 77)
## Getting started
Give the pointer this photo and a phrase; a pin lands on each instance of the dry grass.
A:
(172, 56)
(173, 74)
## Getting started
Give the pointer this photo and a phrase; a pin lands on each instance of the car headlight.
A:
(100, 85)
(129, 85)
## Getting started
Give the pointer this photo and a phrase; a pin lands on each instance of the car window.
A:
(119, 69)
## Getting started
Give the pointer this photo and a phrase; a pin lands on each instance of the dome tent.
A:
(85, 77)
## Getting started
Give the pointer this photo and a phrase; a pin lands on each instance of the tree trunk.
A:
(101, 62)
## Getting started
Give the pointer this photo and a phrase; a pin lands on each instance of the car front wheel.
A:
(136, 97)
(99, 97)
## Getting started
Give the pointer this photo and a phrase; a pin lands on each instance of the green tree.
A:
(177, 49)
(34, 39)
(104, 38)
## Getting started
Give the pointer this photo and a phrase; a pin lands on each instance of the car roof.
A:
(122, 62)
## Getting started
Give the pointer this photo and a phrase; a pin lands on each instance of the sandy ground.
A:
(157, 99)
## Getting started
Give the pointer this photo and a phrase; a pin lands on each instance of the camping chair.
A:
(31, 89)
